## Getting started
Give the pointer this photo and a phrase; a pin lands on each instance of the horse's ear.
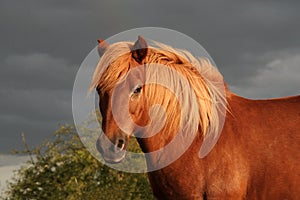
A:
(139, 49)
(102, 46)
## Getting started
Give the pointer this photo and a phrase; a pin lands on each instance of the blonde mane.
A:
(201, 90)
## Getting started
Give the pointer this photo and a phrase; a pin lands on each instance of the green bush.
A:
(61, 168)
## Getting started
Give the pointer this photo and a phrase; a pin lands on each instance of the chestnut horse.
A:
(257, 155)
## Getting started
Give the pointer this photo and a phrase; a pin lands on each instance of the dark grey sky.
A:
(255, 44)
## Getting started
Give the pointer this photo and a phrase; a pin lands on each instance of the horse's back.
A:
(270, 140)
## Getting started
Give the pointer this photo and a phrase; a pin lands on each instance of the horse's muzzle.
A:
(112, 151)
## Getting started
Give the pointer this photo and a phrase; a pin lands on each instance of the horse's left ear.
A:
(139, 49)
(102, 46)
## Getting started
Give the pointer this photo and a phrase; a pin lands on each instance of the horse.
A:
(256, 156)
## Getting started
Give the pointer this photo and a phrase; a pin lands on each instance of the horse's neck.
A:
(153, 143)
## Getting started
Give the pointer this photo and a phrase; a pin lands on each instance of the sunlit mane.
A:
(201, 90)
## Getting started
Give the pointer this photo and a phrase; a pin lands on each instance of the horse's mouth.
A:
(115, 159)
(111, 153)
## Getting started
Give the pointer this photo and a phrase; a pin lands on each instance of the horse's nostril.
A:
(121, 144)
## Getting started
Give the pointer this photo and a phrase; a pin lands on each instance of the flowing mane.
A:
(203, 79)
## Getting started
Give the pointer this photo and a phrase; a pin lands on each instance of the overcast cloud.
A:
(255, 44)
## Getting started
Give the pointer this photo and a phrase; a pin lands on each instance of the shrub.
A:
(61, 168)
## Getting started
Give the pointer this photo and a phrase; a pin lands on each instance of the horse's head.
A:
(122, 103)
(145, 90)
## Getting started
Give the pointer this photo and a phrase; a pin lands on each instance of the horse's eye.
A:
(137, 90)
